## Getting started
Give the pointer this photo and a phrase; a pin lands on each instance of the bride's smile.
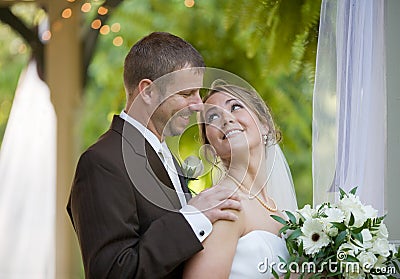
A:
(231, 127)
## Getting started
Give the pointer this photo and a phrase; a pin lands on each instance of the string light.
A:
(96, 24)
(66, 13)
(189, 3)
(86, 7)
(22, 48)
(118, 41)
(56, 26)
(102, 11)
(104, 30)
(46, 35)
(116, 27)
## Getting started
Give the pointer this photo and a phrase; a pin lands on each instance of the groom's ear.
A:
(145, 90)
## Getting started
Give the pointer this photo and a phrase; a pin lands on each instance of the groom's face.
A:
(178, 100)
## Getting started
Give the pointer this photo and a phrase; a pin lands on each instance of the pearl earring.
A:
(265, 139)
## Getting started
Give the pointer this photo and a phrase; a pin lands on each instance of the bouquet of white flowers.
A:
(343, 240)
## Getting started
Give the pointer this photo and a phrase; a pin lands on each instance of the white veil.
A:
(280, 185)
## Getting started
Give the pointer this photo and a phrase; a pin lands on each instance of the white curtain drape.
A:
(27, 183)
(349, 105)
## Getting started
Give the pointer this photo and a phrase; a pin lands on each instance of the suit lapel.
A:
(144, 166)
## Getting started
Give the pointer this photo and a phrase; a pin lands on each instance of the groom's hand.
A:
(214, 201)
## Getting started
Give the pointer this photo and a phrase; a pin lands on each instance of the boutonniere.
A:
(192, 167)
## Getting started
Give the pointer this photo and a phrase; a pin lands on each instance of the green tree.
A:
(271, 44)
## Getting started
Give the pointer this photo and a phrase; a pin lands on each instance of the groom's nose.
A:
(196, 104)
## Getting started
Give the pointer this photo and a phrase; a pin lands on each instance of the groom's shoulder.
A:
(105, 148)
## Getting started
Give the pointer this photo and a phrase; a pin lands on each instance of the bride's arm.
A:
(215, 260)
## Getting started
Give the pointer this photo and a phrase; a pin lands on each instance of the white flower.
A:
(383, 232)
(367, 238)
(307, 212)
(314, 237)
(334, 215)
(370, 212)
(347, 249)
(354, 275)
(381, 247)
(367, 260)
(366, 235)
(192, 167)
(351, 204)
(392, 247)
(332, 231)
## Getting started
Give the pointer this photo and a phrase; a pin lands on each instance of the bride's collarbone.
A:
(258, 218)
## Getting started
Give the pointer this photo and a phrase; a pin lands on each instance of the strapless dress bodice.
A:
(255, 253)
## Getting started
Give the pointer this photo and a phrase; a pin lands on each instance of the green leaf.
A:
(333, 274)
(364, 226)
(340, 226)
(351, 258)
(276, 276)
(295, 234)
(287, 274)
(301, 249)
(283, 229)
(292, 218)
(342, 193)
(279, 219)
(358, 236)
(354, 190)
(340, 239)
(351, 221)
(398, 253)
(396, 266)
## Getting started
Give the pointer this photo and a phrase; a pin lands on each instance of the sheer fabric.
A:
(349, 106)
(280, 186)
(27, 187)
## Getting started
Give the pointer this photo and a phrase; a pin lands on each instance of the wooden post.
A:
(63, 59)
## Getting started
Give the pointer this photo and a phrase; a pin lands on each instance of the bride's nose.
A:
(227, 119)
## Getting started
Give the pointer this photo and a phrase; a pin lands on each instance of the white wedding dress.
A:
(255, 253)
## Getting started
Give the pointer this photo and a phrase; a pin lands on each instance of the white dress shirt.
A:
(197, 220)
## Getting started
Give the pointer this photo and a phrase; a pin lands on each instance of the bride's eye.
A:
(211, 117)
(236, 107)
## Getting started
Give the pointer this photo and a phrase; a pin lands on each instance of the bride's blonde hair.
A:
(251, 99)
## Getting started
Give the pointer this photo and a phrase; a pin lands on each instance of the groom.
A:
(129, 206)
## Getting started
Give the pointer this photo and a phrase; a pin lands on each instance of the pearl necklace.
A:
(244, 189)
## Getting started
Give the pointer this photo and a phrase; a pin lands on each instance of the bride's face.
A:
(230, 126)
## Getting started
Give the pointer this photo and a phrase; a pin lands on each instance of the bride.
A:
(238, 127)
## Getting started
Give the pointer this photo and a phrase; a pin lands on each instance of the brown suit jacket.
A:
(124, 210)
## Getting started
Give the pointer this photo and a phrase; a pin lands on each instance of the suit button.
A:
(201, 233)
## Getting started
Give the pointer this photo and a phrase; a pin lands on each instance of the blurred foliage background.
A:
(270, 44)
